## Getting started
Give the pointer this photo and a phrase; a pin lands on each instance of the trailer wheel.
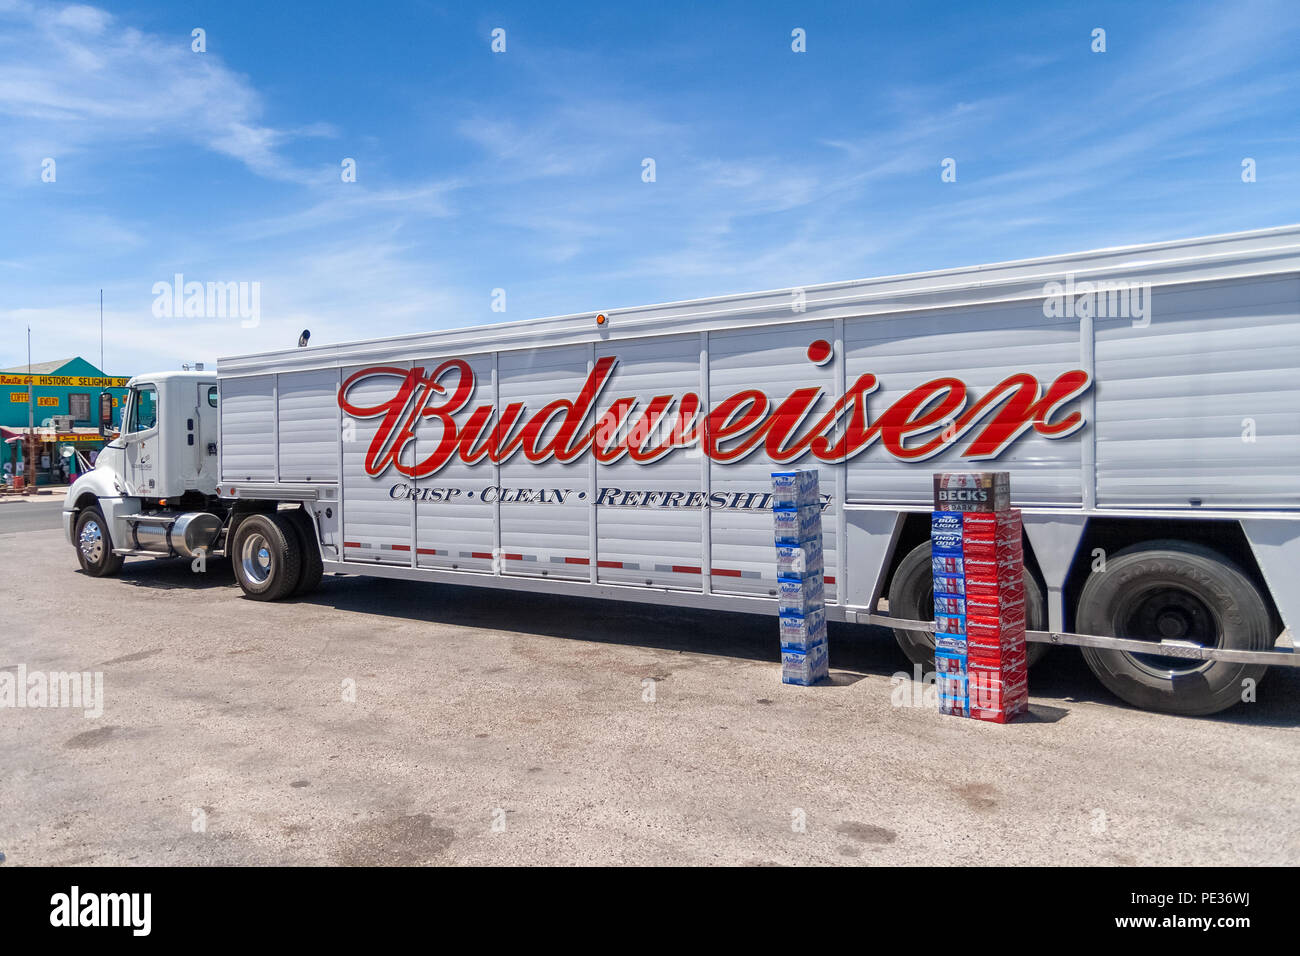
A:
(95, 545)
(266, 557)
(309, 547)
(911, 597)
(1177, 591)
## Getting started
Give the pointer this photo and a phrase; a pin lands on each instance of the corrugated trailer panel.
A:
(545, 506)
(308, 425)
(980, 346)
(248, 428)
(376, 527)
(1201, 407)
(455, 521)
(647, 528)
(775, 361)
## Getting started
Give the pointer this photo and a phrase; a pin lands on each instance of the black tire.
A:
(1180, 591)
(911, 597)
(266, 556)
(94, 544)
(309, 547)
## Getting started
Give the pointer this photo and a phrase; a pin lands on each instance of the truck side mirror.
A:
(105, 411)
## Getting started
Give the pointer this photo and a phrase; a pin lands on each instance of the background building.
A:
(67, 387)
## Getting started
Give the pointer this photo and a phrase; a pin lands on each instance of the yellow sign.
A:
(78, 437)
(17, 396)
(45, 401)
(64, 381)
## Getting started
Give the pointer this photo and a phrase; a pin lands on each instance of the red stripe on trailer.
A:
(426, 550)
(481, 554)
(576, 561)
(514, 557)
(351, 544)
(725, 572)
(827, 579)
(400, 547)
(686, 569)
(609, 564)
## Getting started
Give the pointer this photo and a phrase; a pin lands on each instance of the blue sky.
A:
(523, 170)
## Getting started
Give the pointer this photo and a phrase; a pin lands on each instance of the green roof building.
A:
(65, 397)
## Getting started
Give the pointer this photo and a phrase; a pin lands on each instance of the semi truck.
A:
(1144, 399)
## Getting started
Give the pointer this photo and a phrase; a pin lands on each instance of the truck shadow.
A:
(1060, 679)
(167, 574)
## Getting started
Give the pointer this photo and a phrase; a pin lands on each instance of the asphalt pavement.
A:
(395, 722)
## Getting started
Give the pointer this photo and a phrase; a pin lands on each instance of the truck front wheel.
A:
(95, 545)
(911, 598)
(266, 556)
(1174, 590)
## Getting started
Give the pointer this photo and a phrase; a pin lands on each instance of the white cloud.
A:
(76, 78)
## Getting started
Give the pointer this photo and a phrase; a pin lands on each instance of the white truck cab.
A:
(153, 488)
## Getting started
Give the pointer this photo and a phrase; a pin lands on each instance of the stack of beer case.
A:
(979, 598)
(800, 581)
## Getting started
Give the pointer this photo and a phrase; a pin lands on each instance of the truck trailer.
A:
(1144, 399)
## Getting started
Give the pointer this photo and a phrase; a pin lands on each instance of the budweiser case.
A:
(997, 700)
(1006, 605)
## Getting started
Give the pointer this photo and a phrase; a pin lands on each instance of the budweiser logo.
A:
(940, 414)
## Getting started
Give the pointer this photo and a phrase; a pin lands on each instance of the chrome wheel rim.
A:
(91, 542)
(255, 558)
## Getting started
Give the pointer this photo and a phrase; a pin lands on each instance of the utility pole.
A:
(31, 416)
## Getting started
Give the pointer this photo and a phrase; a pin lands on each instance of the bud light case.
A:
(950, 623)
(952, 685)
(950, 664)
(945, 534)
(956, 643)
(949, 604)
(954, 706)
(947, 563)
(954, 584)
